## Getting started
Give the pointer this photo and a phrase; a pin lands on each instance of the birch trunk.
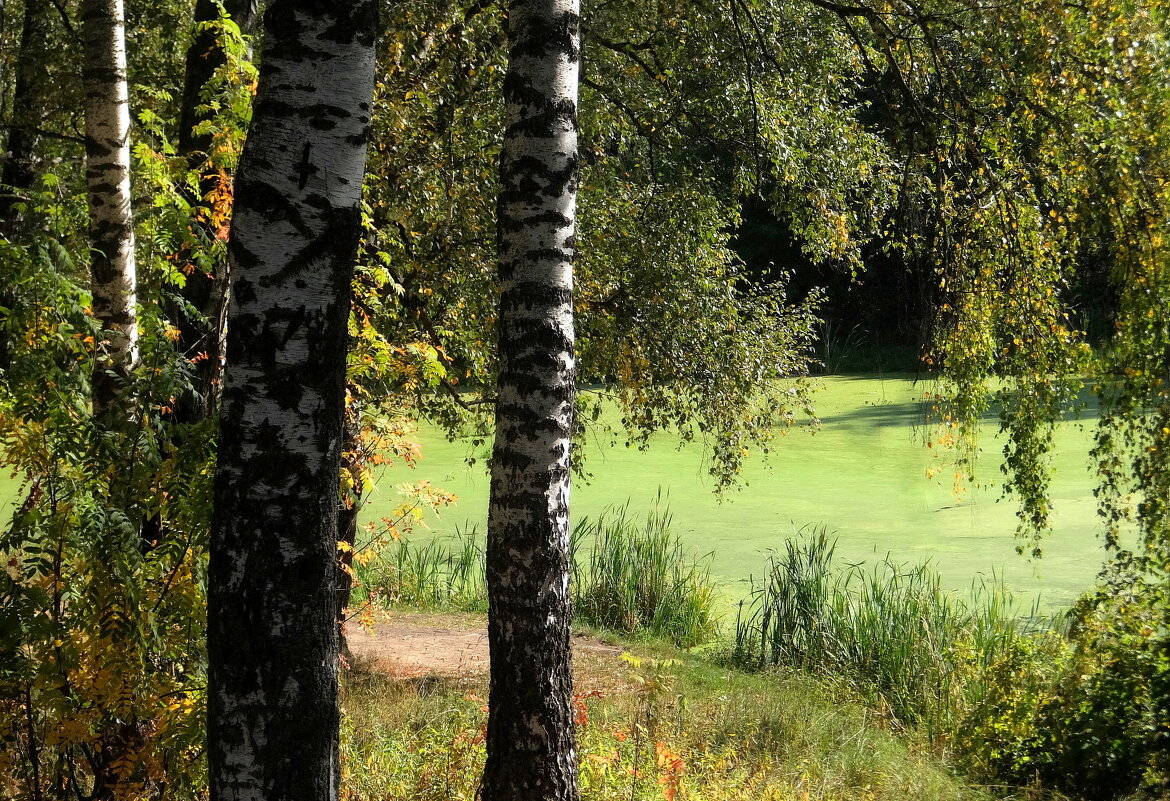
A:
(203, 58)
(530, 737)
(205, 293)
(19, 169)
(272, 601)
(113, 279)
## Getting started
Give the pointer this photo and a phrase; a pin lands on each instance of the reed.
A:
(889, 629)
(444, 573)
(638, 577)
(628, 576)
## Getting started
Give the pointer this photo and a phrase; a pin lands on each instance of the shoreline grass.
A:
(889, 629)
(661, 724)
(1035, 708)
(628, 576)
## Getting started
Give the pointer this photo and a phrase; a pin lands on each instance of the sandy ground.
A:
(409, 645)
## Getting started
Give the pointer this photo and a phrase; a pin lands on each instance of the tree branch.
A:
(42, 132)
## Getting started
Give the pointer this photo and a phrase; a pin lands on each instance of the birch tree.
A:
(113, 278)
(18, 171)
(272, 606)
(530, 738)
(27, 94)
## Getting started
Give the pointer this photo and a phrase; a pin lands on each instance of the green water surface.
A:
(863, 474)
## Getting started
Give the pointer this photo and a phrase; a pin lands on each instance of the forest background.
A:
(983, 185)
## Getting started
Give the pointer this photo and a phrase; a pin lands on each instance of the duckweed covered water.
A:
(862, 474)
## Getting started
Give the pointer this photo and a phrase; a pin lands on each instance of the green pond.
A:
(863, 474)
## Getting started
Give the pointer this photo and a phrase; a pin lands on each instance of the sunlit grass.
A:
(638, 577)
(889, 630)
(629, 576)
(651, 728)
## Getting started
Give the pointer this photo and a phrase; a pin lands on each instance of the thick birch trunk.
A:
(107, 174)
(272, 599)
(530, 738)
(202, 332)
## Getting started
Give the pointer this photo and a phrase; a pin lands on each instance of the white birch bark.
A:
(272, 588)
(530, 738)
(107, 173)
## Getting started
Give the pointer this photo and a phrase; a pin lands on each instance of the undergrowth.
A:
(658, 729)
(1077, 706)
(1074, 706)
(890, 629)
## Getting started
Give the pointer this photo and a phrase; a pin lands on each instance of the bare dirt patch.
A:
(411, 645)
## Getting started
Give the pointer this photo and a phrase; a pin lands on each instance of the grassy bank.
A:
(1073, 706)
(661, 725)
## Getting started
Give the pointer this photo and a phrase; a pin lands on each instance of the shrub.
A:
(1108, 729)
(1086, 712)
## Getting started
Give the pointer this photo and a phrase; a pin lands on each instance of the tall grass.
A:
(640, 578)
(441, 574)
(627, 576)
(889, 628)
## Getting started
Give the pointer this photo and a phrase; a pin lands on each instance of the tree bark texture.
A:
(272, 587)
(205, 293)
(19, 170)
(113, 279)
(530, 737)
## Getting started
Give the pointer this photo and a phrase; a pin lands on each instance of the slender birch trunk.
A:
(530, 737)
(202, 331)
(19, 170)
(113, 279)
(203, 58)
(272, 587)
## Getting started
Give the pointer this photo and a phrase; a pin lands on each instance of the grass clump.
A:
(441, 574)
(1077, 706)
(627, 577)
(890, 630)
(640, 578)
